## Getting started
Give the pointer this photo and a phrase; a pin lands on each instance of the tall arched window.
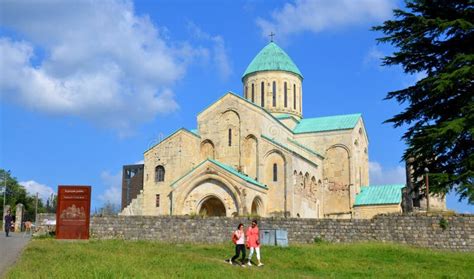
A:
(294, 96)
(253, 93)
(159, 174)
(246, 92)
(275, 172)
(286, 95)
(262, 90)
(274, 101)
(230, 137)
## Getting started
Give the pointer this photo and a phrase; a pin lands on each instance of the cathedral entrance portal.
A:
(212, 206)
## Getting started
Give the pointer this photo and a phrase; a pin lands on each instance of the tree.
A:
(15, 194)
(107, 209)
(436, 39)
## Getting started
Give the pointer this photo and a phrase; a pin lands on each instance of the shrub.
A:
(443, 223)
(318, 239)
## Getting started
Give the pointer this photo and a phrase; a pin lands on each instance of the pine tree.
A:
(436, 39)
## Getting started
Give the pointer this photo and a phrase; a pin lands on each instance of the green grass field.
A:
(48, 258)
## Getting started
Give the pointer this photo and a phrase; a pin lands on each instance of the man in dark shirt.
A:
(8, 222)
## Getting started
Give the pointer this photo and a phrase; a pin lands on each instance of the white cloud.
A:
(113, 185)
(373, 57)
(411, 79)
(141, 162)
(33, 187)
(380, 175)
(320, 15)
(97, 60)
(218, 50)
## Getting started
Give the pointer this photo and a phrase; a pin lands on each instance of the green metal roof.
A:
(380, 194)
(241, 175)
(195, 131)
(226, 168)
(328, 123)
(305, 148)
(287, 148)
(286, 116)
(272, 58)
(283, 116)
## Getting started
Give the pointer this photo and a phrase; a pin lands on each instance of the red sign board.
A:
(73, 212)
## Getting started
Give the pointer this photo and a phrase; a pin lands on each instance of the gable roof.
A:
(287, 148)
(272, 58)
(235, 172)
(225, 167)
(230, 93)
(176, 132)
(327, 123)
(380, 194)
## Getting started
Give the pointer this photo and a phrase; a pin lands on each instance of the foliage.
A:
(435, 39)
(145, 259)
(16, 194)
(443, 223)
(108, 209)
(318, 239)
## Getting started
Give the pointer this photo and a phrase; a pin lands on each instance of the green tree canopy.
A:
(15, 194)
(436, 38)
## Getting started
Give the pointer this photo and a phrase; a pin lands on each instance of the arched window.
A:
(230, 137)
(274, 101)
(294, 96)
(286, 95)
(246, 92)
(253, 93)
(275, 172)
(262, 90)
(159, 174)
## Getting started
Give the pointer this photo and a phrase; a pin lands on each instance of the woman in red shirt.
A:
(253, 242)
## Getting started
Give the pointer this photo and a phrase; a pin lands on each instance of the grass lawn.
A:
(48, 258)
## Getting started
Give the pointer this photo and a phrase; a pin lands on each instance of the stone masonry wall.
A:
(417, 230)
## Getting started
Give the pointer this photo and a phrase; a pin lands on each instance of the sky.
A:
(87, 86)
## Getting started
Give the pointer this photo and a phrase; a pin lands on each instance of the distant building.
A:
(256, 154)
(413, 199)
(132, 183)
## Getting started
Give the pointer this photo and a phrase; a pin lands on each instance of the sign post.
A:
(73, 212)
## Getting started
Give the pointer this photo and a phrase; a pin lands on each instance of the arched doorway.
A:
(212, 206)
(257, 207)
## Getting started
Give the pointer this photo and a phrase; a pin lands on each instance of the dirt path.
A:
(10, 249)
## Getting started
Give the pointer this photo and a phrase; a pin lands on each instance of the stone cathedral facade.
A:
(257, 154)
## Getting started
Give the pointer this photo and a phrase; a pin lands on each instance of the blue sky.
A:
(87, 86)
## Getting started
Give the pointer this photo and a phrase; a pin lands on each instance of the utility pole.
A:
(4, 195)
(427, 182)
(36, 210)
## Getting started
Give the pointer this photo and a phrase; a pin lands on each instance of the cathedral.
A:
(257, 155)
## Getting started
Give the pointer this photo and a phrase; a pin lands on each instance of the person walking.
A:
(238, 237)
(8, 222)
(253, 242)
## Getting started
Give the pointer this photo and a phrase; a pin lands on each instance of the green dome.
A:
(272, 58)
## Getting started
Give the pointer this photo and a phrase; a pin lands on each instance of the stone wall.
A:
(417, 230)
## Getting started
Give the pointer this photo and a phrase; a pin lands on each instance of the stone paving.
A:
(10, 249)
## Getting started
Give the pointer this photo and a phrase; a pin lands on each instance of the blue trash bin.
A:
(281, 238)
(267, 237)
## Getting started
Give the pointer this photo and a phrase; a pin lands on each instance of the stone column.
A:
(18, 217)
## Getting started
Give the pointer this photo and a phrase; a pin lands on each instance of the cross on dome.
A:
(271, 36)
